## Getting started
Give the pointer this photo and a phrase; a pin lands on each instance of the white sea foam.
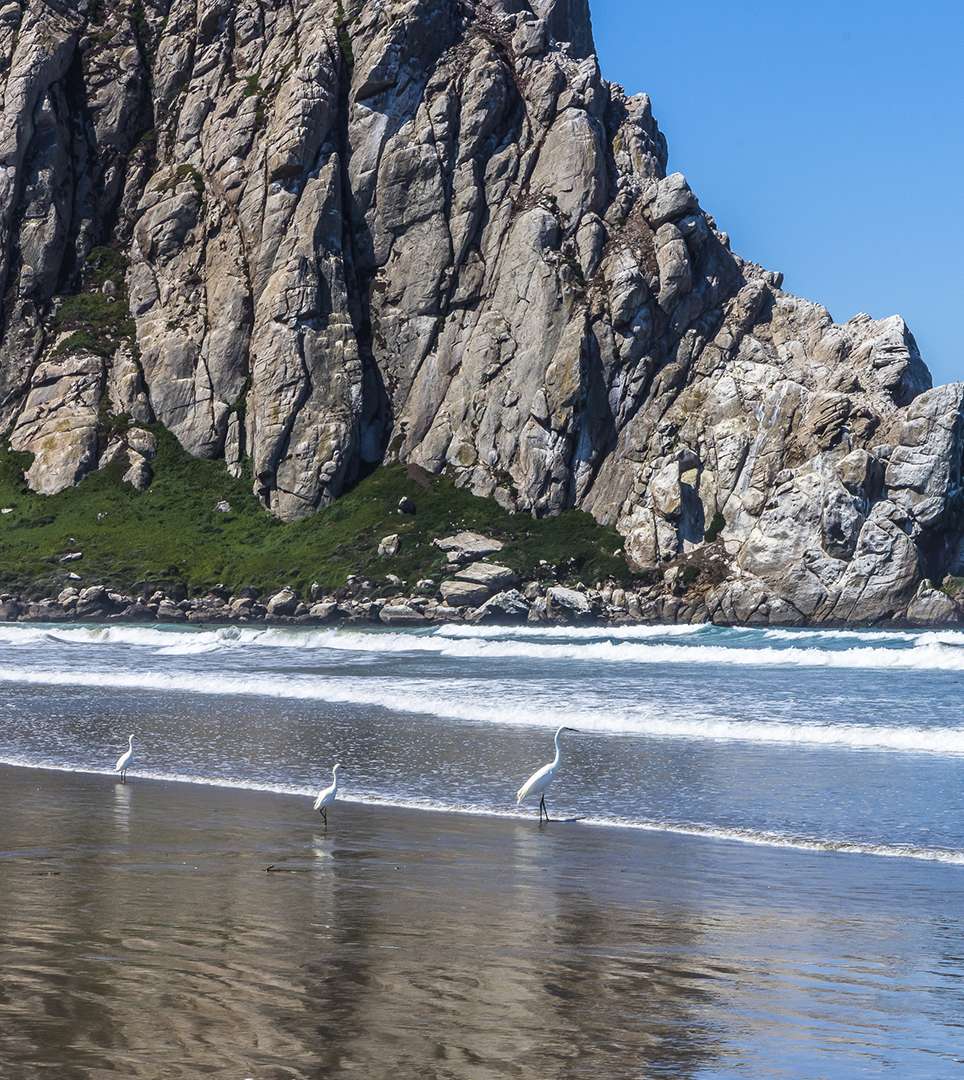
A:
(925, 652)
(478, 701)
(573, 633)
(756, 838)
(735, 634)
(797, 633)
(937, 656)
(793, 843)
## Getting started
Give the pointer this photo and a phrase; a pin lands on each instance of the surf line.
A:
(803, 845)
(411, 697)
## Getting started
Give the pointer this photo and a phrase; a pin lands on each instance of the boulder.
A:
(136, 612)
(388, 546)
(505, 607)
(169, 612)
(92, 601)
(932, 607)
(567, 604)
(324, 610)
(674, 200)
(134, 449)
(468, 546)
(142, 442)
(10, 610)
(491, 575)
(401, 615)
(444, 613)
(44, 611)
(457, 593)
(283, 602)
(538, 610)
(139, 474)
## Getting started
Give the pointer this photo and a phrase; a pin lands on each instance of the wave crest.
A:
(701, 644)
(476, 700)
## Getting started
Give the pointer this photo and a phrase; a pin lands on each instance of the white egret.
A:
(327, 797)
(124, 761)
(538, 783)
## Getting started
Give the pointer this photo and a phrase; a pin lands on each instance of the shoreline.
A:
(140, 927)
(685, 832)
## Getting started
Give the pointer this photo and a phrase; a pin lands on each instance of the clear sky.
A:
(826, 138)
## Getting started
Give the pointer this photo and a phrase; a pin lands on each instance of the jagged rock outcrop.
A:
(319, 234)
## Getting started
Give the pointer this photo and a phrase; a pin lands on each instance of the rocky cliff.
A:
(309, 236)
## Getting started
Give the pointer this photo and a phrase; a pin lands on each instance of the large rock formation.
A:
(318, 234)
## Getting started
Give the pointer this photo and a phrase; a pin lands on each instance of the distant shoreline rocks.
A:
(473, 589)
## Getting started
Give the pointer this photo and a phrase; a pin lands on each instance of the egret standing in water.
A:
(327, 797)
(538, 783)
(123, 762)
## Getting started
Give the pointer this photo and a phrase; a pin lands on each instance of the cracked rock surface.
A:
(430, 231)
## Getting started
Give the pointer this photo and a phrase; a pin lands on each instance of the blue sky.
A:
(826, 138)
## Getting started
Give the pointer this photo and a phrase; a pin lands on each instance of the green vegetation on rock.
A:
(953, 586)
(98, 323)
(344, 38)
(182, 173)
(174, 533)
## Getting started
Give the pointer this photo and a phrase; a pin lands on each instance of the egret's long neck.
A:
(130, 740)
(555, 760)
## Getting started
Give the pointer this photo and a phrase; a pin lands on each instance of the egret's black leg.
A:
(324, 817)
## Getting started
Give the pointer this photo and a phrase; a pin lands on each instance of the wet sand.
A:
(141, 936)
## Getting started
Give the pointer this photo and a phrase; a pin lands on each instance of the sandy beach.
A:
(141, 936)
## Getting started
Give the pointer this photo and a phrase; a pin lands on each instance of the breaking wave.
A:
(883, 650)
(478, 701)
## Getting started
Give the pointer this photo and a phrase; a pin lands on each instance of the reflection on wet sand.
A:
(140, 936)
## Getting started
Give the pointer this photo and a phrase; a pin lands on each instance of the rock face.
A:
(316, 236)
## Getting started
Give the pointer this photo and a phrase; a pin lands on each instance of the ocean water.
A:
(835, 740)
(766, 878)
